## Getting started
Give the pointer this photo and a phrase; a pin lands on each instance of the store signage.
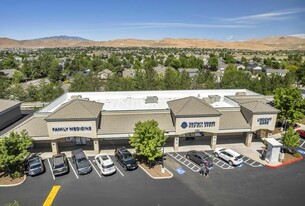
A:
(71, 129)
(185, 125)
(264, 121)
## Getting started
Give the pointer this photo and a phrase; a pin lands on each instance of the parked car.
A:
(34, 165)
(200, 158)
(59, 164)
(81, 161)
(105, 164)
(125, 158)
(301, 133)
(229, 155)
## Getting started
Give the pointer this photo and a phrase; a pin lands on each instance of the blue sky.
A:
(229, 20)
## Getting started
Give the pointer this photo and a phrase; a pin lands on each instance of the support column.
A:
(269, 133)
(96, 146)
(213, 141)
(248, 139)
(176, 143)
(54, 146)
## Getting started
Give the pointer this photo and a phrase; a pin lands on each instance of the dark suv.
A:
(125, 158)
(60, 164)
(80, 160)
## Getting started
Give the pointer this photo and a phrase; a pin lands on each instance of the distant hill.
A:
(268, 43)
(64, 37)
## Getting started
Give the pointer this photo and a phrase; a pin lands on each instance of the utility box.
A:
(273, 150)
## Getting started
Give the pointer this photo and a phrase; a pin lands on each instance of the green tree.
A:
(85, 84)
(291, 104)
(4, 84)
(186, 80)
(17, 77)
(291, 139)
(204, 80)
(171, 79)
(16, 92)
(148, 138)
(13, 151)
(235, 79)
(49, 91)
(213, 62)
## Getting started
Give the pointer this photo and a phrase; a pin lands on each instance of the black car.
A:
(81, 161)
(125, 158)
(60, 164)
(200, 158)
(34, 165)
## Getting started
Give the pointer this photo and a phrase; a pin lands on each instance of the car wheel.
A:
(230, 163)
(216, 154)
(125, 168)
(187, 156)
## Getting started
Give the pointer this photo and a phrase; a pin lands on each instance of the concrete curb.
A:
(12, 185)
(283, 164)
(157, 177)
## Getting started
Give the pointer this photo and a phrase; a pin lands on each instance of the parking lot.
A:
(180, 157)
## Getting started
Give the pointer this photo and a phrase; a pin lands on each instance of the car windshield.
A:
(33, 166)
(108, 166)
(104, 157)
(59, 166)
(81, 159)
(203, 156)
(239, 157)
(128, 157)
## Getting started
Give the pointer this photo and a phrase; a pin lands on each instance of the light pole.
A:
(162, 168)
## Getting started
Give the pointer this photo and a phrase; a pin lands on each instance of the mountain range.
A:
(268, 43)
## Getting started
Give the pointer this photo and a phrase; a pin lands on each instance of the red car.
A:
(301, 133)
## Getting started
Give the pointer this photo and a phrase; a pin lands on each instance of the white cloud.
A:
(181, 25)
(275, 15)
(298, 35)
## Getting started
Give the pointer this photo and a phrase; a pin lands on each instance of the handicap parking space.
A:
(302, 143)
(187, 163)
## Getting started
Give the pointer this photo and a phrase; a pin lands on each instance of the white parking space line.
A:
(302, 144)
(119, 171)
(182, 160)
(95, 169)
(51, 169)
(72, 168)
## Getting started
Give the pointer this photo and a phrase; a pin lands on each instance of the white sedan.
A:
(232, 157)
(105, 164)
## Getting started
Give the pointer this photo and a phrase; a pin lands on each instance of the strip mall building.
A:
(97, 119)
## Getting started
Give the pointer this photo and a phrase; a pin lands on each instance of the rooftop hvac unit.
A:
(76, 97)
(151, 99)
(240, 93)
(214, 98)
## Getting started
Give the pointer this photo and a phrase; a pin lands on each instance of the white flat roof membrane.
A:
(135, 100)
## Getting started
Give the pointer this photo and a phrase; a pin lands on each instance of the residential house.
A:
(281, 72)
(8, 72)
(105, 74)
(191, 72)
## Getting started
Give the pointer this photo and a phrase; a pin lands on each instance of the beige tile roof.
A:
(233, 120)
(249, 99)
(259, 107)
(192, 106)
(35, 126)
(6, 104)
(77, 109)
(125, 123)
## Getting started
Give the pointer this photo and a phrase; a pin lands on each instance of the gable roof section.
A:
(259, 107)
(77, 109)
(233, 120)
(192, 106)
(6, 104)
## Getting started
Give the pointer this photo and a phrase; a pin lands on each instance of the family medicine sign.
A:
(72, 128)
